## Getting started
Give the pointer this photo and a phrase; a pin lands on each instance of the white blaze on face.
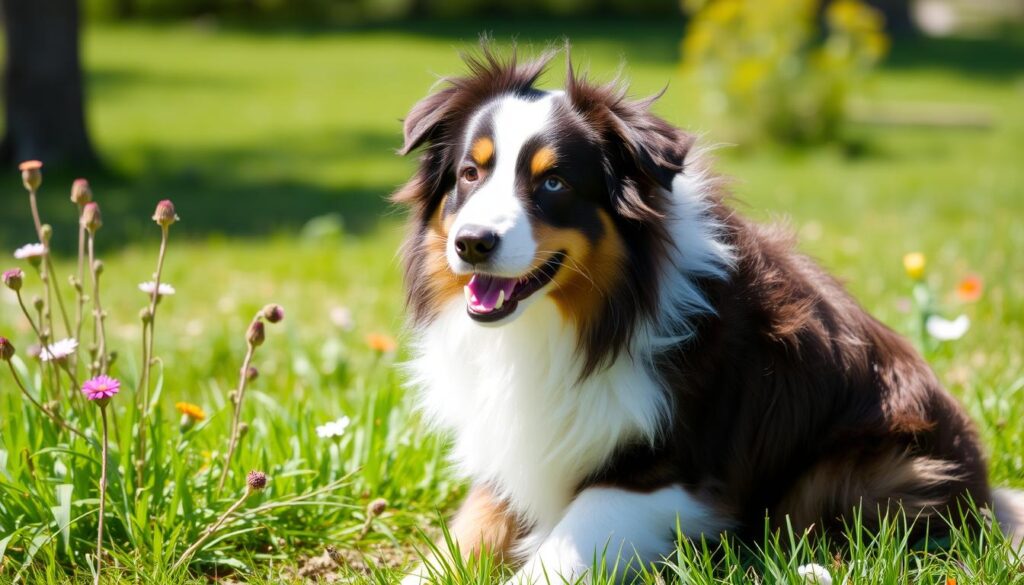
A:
(495, 206)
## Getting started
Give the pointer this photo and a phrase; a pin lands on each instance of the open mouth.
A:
(491, 298)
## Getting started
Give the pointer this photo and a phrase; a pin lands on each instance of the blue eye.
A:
(553, 184)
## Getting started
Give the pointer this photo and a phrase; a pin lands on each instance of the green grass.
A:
(254, 132)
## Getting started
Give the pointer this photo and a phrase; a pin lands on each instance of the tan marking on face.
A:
(482, 151)
(542, 160)
(589, 271)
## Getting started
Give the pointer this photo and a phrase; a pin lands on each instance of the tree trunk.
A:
(42, 91)
(898, 18)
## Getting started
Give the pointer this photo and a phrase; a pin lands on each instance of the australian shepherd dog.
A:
(621, 357)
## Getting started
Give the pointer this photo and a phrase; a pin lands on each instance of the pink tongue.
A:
(484, 291)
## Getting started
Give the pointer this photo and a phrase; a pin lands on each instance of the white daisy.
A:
(945, 330)
(335, 428)
(342, 318)
(165, 289)
(814, 574)
(30, 251)
(59, 350)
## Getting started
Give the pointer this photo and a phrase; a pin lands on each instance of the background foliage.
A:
(772, 70)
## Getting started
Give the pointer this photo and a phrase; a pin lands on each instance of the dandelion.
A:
(80, 192)
(946, 330)
(13, 278)
(101, 388)
(914, 264)
(31, 174)
(335, 428)
(164, 290)
(381, 343)
(34, 253)
(814, 574)
(969, 289)
(59, 350)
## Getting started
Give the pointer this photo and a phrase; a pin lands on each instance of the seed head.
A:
(164, 214)
(376, 507)
(256, 333)
(97, 267)
(13, 278)
(91, 219)
(273, 313)
(45, 233)
(256, 480)
(31, 174)
(37, 302)
(80, 192)
(251, 373)
(243, 430)
(6, 349)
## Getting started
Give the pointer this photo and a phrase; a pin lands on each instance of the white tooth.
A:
(465, 289)
(501, 299)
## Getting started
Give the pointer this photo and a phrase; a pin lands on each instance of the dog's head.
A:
(523, 193)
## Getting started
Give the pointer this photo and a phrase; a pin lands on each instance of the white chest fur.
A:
(520, 418)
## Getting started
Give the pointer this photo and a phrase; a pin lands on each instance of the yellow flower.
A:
(190, 410)
(914, 264)
(381, 343)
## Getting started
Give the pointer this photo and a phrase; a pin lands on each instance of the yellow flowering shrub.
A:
(768, 72)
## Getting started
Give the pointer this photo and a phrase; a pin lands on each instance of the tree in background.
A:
(42, 91)
(771, 70)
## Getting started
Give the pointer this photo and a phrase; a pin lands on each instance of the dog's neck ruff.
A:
(521, 417)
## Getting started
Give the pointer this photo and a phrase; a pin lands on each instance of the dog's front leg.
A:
(612, 530)
(483, 525)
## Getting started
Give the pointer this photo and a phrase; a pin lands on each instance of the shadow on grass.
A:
(232, 192)
(996, 57)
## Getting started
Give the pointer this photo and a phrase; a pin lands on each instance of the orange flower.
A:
(381, 343)
(950, 580)
(969, 289)
(190, 410)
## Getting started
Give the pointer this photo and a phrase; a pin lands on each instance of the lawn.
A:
(253, 133)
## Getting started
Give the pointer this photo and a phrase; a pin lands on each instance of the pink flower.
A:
(101, 387)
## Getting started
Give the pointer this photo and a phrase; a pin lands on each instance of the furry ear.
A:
(424, 118)
(648, 152)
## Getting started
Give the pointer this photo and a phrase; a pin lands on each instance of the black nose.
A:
(475, 244)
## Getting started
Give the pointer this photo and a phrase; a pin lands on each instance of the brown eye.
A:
(470, 174)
